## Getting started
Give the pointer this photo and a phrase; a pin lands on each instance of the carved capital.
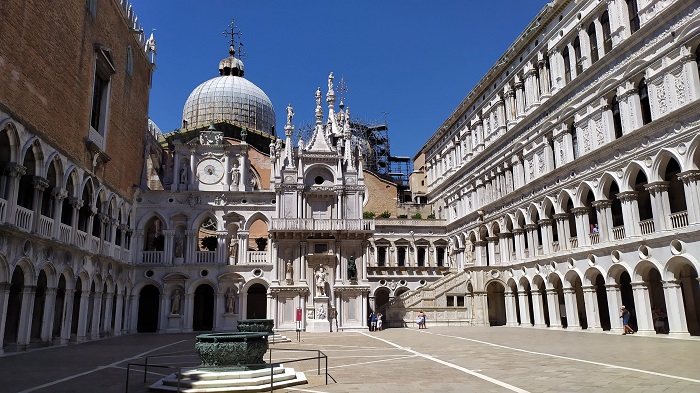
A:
(627, 196)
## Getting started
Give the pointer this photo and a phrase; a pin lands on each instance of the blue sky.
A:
(409, 62)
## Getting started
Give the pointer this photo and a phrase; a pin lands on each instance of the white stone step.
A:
(277, 338)
(230, 381)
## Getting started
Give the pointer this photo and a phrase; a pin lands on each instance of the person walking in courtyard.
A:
(625, 315)
(372, 322)
(379, 321)
(659, 317)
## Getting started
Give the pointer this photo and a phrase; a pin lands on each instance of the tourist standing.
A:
(421, 320)
(372, 322)
(379, 321)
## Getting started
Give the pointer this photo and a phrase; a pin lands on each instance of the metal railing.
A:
(190, 353)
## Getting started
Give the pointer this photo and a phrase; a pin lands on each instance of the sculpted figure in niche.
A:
(321, 312)
(352, 268)
(175, 300)
(183, 174)
(289, 272)
(233, 249)
(179, 246)
(235, 174)
(230, 301)
(321, 280)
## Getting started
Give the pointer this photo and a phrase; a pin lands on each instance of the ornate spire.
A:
(232, 65)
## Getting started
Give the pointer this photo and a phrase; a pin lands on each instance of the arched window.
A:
(574, 139)
(593, 40)
(633, 12)
(644, 101)
(577, 55)
(617, 119)
(567, 64)
(607, 39)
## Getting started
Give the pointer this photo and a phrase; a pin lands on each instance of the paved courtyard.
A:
(445, 359)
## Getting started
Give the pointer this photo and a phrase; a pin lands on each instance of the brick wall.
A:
(382, 195)
(47, 62)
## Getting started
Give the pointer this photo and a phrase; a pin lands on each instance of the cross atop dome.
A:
(233, 65)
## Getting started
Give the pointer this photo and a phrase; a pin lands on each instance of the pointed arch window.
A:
(593, 40)
(605, 24)
(644, 101)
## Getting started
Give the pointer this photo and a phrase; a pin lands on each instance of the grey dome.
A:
(229, 98)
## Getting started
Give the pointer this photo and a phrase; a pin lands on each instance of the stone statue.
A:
(318, 97)
(272, 150)
(321, 280)
(330, 82)
(235, 174)
(352, 269)
(278, 146)
(290, 114)
(175, 300)
(321, 312)
(233, 249)
(179, 246)
(289, 273)
(230, 301)
(183, 174)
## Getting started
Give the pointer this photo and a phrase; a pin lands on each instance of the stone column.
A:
(221, 249)
(519, 98)
(168, 246)
(14, 174)
(491, 249)
(96, 313)
(243, 247)
(532, 239)
(642, 303)
(192, 178)
(67, 319)
(518, 234)
(538, 309)
(4, 297)
(524, 309)
(118, 314)
(630, 212)
(689, 301)
(26, 315)
(614, 302)
(677, 323)
(545, 83)
(511, 317)
(571, 308)
(659, 204)
(562, 220)
(554, 313)
(176, 167)
(109, 303)
(605, 222)
(48, 315)
(582, 226)
(547, 236)
(691, 186)
(590, 300)
(302, 262)
(191, 246)
(504, 246)
(59, 195)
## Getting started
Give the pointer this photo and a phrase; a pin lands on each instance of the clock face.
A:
(210, 171)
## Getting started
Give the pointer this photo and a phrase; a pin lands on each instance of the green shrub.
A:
(385, 214)
(417, 216)
(431, 216)
(402, 216)
(367, 214)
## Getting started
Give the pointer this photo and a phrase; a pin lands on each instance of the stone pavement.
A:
(440, 359)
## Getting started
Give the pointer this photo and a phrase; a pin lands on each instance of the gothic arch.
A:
(149, 281)
(5, 269)
(88, 185)
(693, 154)
(251, 282)
(538, 282)
(145, 219)
(533, 211)
(72, 174)
(630, 175)
(70, 278)
(676, 263)
(591, 273)
(55, 159)
(525, 279)
(51, 276)
(571, 276)
(642, 268)
(254, 217)
(604, 186)
(35, 145)
(203, 216)
(548, 203)
(616, 271)
(30, 274)
(519, 219)
(661, 161)
(562, 199)
(555, 278)
(9, 128)
(581, 193)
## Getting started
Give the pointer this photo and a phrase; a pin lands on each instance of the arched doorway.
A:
(58, 310)
(149, 299)
(257, 302)
(14, 307)
(628, 298)
(496, 303)
(203, 312)
(381, 297)
(690, 289)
